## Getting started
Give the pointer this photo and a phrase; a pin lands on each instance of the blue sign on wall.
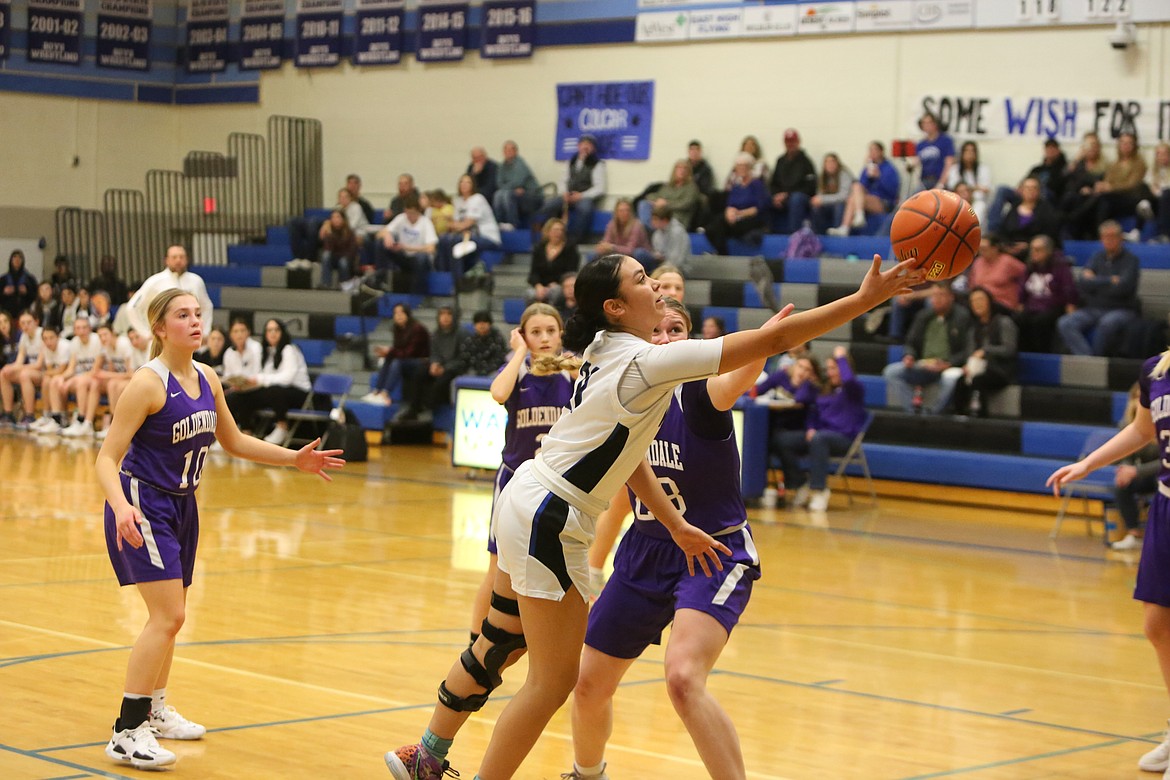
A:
(509, 29)
(378, 26)
(207, 36)
(123, 34)
(318, 33)
(619, 114)
(261, 34)
(54, 31)
(442, 32)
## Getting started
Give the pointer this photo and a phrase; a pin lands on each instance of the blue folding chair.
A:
(336, 386)
(1097, 486)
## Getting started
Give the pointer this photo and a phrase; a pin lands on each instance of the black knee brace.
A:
(486, 674)
(506, 605)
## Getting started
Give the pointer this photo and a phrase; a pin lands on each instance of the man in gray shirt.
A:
(670, 240)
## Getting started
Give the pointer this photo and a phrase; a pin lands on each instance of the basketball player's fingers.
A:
(715, 558)
(691, 565)
(321, 473)
(723, 548)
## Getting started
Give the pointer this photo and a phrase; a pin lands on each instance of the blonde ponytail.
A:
(1162, 366)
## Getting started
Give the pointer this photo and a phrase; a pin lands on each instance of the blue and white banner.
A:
(5, 28)
(442, 32)
(54, 31)
(509, 29)
(378, 26)
(123, 34)
(619, 114)
(261, 34)
(318, 33)
(207, 36)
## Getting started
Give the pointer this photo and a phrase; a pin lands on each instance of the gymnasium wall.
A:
(838, 91)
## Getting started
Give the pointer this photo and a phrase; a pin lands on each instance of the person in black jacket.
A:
(793, 183)
(18, 288)
(935, 352)
(994, 348)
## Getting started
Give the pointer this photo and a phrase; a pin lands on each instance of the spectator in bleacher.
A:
(568, 306)
(552, 258)
(212, 353)
(743, 215)
(484, 172)
(122, 315)
(792, 185)
(1048, 291)
(713, 327)
(475, 222)
(438, 209)
(100, 312)
(243, 358)
(583, 186)
(833, 420)
(47, 306)
(402, 359)
(174, 275)
(28, 347)
(18, 288)
(112, 364)
(139, 355)
(701, 172)
(1079, 203)
(84, 352)
(1107, 288)
(518, 193)
(1124, 184)
(671, 282)
(833, 187)
(1158, 180)
(976, 174)
(799, 380)
(935, 153)
(355, 215)
(1051, 172)
(282, 383)
(353, 183)
(935, 351)
(406, 189)
(626, 235)
(84, 305)
(108, 280)
(62, 273)
(759, 167)
(407, 245)
(1136, 476)
(426, 391)
(9, 337)
(680, 193)
(50, 363)
(339, 249)
(998, 272)
(1031, 216)
(483, 351)
(876, 191)
(71, 308)
(670, 243)
(992, 364)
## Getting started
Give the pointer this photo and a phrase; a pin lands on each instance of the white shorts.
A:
(542, 541)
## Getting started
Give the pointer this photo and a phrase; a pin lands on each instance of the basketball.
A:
(940, 230)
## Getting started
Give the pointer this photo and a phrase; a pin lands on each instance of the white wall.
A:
(839, 92)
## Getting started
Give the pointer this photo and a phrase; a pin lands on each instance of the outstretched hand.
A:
(780, 315)
(1070, 473)
(879, 286)
(313, 461)
(699, 545)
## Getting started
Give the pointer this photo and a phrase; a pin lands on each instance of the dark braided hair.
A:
(597, 282)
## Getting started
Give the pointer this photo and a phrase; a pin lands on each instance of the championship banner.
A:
(378, 26)
(5, 27)
(261, 34)
(442, 32)
(509, 29)
(318, 33)
(619, 114)
(1038, 117)
(54, 31)
(207, 36)
(123, 38)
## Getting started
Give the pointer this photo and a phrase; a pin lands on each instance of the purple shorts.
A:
(1153, 577)
(650, 583)
(503, 475)
(170, 535)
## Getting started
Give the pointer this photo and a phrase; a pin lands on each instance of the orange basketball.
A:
(938, 228)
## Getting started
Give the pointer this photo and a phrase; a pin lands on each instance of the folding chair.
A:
(336, 386)
(855, 455)
(1097, 486)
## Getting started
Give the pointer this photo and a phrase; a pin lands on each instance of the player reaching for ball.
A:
(149, 466)
(544, 521)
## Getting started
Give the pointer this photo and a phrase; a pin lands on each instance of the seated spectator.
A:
(353, 183)
(701, 172)
(400, 361)
(992, 363)
(18, 288)
(627, 236)
(680, 194)
(483, 351)
(407, 245)
(1158, 180)
(568, 306)
(1136, 476)
(1107, 288)
(29, 342)
(406, 189)
(517, 192)
(1124, 184)
(976, 175)
(62, 273)
(355, 216)
(9, 337)
(112, 363)
(935, 153)
(671, 282)
(1079, 203)
(84, 301)
(439, 210)
(51, 362)
(1048, 291)
(116, 385)
(70, 308)
(935, 351)
(243, 358)
(484, 172)
(1031, 216)
(281, 384)
(875, 192)
(339, 249)
(108, 280)
(743, 216)
(426, 391)
(213, 350)
(84, 353)
(1050, 173)
(47, 307)
(99, 309)
(792, 185)
(833, 187)
(474, 222)
(998, 272)
(713, 327)
(670, 243)
(582, 187)
(759, 166)
(799, 380)
(835, 417)
(552, 258)
(122, 315)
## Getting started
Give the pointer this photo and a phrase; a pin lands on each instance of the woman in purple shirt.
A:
(743, 216)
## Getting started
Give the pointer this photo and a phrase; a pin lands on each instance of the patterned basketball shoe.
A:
(413, 762)
(138, 748)
(167, 723)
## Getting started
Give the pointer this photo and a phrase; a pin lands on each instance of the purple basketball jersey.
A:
(1155, 396)
(535, 404)
(168, 450)
(695, 458)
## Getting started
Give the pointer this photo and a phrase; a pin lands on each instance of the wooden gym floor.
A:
(916, 640)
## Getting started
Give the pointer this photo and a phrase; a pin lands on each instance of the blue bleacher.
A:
(276, 235)
(388, 301)
(1152, 256)
(516, 241)
(1054, 440)
(259, 254)
(213, 292)
(513, 310)
(802, 271)
(230, 275)
(729, 314)
(315, 350)
(349, 324)
(440, 284)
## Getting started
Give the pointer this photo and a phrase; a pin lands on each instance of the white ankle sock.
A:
(158, 700)
(589, 771)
